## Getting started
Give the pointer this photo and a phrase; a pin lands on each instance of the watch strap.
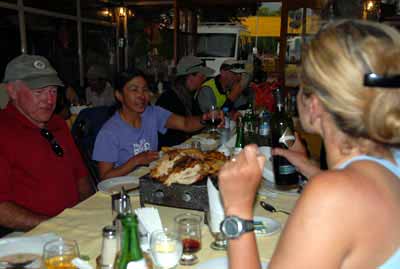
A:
(248, 225)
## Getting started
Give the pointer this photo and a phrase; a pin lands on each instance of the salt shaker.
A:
(108, 247)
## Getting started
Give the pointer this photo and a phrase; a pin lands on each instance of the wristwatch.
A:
(232, 226)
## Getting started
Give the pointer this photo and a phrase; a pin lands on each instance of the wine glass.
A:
(214, 119)
(59, 253)
(165, 248)
(214, 221)
(188, 226)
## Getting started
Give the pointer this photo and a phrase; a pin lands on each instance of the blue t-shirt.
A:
(118, 141)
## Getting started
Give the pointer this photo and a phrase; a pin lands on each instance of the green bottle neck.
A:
(130, 244)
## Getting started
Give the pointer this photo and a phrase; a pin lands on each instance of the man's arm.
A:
(84, 188)
(17, 217)
(206, 99)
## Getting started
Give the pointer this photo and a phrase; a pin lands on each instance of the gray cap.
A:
(234, 66)
(35, 71)
(191, 64)
(97, 72)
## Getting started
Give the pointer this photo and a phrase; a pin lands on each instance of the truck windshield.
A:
(216, 45)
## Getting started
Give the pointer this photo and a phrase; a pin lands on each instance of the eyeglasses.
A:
(375, 80)
(57, 149)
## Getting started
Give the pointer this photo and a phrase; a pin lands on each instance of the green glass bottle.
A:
(131, 256)
(282, 136)
(239, 145)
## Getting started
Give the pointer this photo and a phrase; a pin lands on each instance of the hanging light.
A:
(370, 5)
(121, 11)
(106, 12)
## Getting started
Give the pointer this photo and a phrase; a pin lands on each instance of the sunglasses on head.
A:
(375, 80)
(57, 149)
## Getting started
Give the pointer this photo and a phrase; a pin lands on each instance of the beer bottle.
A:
(282, 136)
(131, 256)
(239, 145)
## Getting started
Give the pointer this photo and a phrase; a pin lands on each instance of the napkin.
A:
(217, 213)
(149, 221)
(26, 244)
(267, 172)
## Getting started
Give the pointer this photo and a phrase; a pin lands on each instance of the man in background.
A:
(224, 89)
(41, 170)
(99, 91)
(180, 99)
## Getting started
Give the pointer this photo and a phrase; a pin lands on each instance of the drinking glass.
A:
(214, 119)
(165, 248)
(188, 226)
(220, 242)
(59, 253)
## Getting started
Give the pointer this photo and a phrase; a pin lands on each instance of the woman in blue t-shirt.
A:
(129, 138)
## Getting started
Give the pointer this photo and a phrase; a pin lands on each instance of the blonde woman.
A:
(348, 216)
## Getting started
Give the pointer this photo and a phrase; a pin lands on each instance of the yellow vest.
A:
(220, 98)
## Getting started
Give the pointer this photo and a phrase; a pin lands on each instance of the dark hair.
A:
(125, 76)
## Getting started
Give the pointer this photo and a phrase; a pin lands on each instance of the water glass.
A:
(188, 226)
(214, 221)
(59, 253)
(165, 248)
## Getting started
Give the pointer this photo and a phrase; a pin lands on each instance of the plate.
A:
(24, 248)
(269, 226)
(221, 263)
(114, 185)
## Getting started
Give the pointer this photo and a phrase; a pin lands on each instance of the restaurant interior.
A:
(152, 36)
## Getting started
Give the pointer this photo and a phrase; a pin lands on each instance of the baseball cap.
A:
(234, 66)
(35, 71)
(191, 64)
(97, 72)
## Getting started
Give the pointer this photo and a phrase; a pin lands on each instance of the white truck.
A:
(219, 41)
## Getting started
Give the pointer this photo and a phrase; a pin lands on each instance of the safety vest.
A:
(220, 97)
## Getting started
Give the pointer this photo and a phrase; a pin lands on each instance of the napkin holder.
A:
(192, 196)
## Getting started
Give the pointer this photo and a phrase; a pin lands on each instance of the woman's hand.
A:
(297, 155)
(146, 157)
(239, 180)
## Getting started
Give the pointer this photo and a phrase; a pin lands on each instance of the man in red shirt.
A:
(41, 170)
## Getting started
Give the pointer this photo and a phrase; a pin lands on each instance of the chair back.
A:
(84, 130)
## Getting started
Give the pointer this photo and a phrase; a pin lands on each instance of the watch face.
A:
(231, 227)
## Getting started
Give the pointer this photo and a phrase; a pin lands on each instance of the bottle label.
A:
(287, 138)
(140, 264)
(286, 169)
(264, 129)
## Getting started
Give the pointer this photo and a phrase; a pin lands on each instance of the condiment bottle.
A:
(108, 247)
(131, 256)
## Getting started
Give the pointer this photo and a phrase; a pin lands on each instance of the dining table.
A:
(85, 221)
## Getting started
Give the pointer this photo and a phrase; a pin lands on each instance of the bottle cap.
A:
(109, 231)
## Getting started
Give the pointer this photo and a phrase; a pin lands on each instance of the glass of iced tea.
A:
(188, 226)
(58, 254)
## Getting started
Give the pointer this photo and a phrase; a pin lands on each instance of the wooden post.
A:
(176, 31)
(283, 41)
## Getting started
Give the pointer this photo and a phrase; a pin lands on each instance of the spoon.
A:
(271, 208)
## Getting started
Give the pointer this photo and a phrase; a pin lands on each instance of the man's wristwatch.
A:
(232, 227)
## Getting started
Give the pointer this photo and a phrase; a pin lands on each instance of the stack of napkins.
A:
(149, 219)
